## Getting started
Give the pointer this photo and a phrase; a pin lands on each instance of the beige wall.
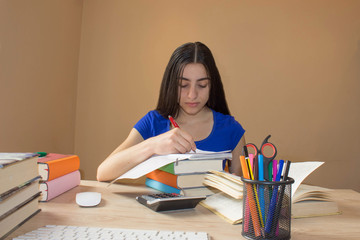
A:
(39, 52)
(290, 69)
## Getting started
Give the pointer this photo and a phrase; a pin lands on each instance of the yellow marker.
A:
(249, 169)
(255, 192)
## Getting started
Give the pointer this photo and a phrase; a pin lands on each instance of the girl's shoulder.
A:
(153, 117)
(151, 124)
(154, 114)
(223, 118)
(224, 121)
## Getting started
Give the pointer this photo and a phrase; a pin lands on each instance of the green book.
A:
(193, 166)
(168, 168)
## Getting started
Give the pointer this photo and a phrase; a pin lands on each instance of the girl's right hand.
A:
(173, 141)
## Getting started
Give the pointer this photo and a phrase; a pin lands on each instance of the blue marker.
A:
(272, 206)
(261, 187)
(278, 175)
(261, 167)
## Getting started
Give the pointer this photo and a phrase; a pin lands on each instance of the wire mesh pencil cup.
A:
(267, 209)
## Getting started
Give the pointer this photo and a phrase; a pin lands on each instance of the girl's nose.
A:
(192, 92)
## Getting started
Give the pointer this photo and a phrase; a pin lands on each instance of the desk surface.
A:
(119, 209)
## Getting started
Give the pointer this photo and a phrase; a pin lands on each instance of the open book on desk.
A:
(225, 182)
(308, 201)
(158, 161)
(313, 201)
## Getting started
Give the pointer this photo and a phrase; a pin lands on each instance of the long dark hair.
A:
(190, 53)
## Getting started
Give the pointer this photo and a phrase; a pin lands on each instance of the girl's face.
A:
(194, 88)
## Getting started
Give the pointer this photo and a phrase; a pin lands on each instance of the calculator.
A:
(168, 201)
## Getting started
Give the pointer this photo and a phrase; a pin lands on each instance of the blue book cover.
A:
(161, 187)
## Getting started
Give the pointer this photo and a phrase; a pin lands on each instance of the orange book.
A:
(55, 165)
(177, 181)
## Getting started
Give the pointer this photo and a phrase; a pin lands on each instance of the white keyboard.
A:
(59, 232)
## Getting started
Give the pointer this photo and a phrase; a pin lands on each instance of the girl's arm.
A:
(235, 166)
(135, 150)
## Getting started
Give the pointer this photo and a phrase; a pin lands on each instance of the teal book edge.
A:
(161, 187)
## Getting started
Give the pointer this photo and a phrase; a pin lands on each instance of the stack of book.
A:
(19, 190)
(186, 176)
(59, 173)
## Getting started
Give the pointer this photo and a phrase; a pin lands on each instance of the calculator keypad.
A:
(164, 195)
(168, 201)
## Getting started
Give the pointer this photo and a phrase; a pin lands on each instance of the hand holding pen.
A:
(174, 141)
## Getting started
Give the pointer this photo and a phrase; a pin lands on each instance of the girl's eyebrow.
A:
(200, 79)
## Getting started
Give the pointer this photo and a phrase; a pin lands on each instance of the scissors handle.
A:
(274, 151)
(255, 166)
(253, 146)
(267, 159)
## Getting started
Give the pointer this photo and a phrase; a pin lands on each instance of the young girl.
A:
(192, 93)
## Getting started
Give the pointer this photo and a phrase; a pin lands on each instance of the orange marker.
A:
(251, 200)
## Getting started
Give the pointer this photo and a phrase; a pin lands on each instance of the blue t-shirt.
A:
(225, 135)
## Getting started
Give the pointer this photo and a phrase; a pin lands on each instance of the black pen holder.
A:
(266, 209)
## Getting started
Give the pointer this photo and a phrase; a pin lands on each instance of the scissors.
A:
(266, 159)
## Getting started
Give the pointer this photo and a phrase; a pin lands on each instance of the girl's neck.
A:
(199, 126)
(185, 118)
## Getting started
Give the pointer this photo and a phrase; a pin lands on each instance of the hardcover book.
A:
(178, 181)
(54, 165)
(17, 195)
(16, 169)
(193, 166)
(18, 215)
(57, 186)
(189, 192)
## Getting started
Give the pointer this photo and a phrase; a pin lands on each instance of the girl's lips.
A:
(190, 104)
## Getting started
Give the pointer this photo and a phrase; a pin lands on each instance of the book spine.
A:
(60, 185)
(59, 167)
(161, 187)
(164, 177)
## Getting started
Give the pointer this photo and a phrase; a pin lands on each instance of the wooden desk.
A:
(119, 209)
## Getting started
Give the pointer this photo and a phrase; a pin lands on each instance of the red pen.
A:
(172, 120)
